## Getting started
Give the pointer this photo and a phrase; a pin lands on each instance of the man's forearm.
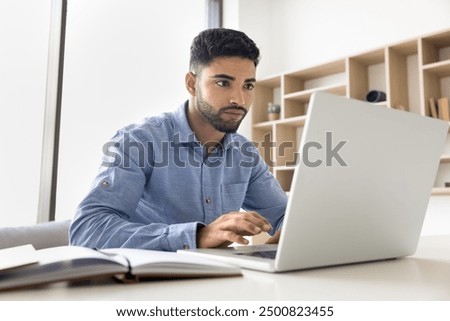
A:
(107, 230)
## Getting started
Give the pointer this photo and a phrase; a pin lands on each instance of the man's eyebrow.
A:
(225, 76)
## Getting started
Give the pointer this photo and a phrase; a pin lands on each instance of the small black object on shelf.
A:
(375, 96)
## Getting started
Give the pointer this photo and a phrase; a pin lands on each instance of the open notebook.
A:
(28, 267)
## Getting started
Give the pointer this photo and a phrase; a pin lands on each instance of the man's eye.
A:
(223, 83)
(249, 86)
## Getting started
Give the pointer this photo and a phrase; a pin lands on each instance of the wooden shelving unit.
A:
(409, 72)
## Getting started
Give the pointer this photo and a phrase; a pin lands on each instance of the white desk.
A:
(424, 276)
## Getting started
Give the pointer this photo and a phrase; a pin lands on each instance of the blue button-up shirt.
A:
(157, 185)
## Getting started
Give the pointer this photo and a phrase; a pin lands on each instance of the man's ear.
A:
(190, 81)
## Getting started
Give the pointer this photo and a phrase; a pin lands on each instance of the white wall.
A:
(294, 34)
(304, 33)
(125, 60)
(24, 34)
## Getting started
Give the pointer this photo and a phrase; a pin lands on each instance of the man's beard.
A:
(214, 117)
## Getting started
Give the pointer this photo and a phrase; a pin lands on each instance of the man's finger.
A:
(242, 219)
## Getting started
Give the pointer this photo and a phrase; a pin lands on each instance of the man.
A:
(180, 179)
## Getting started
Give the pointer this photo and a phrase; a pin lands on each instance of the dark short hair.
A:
(221, 42)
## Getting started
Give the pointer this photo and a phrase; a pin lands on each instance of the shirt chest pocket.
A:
(232, 196)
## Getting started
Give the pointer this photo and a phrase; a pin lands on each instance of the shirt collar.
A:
(183, 133)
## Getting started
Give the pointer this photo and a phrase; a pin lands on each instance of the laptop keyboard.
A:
(263, 254)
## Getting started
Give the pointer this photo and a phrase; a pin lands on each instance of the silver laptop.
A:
(360, 190)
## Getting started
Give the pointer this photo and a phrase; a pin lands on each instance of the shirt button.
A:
(208, 200)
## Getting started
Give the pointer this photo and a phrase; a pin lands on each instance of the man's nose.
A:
(238, 98)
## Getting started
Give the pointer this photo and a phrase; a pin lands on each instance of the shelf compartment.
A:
(294, 108)
(435, 48)
(266, 91)
(435, 58)
(366, 72)
(435, 85)
(402, 81)
(297, 81)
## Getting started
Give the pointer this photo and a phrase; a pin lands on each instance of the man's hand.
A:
(231, 228)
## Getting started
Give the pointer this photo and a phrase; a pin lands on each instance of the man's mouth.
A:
(235, 111)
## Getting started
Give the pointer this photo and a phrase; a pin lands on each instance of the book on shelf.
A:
(433, 108)
(444, 111)
(30, 267)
